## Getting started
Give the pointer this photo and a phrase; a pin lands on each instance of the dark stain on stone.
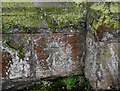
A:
(6, 61)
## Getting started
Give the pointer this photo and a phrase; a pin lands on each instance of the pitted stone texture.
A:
(16, 56)
(5, 63)
(58, 54)
(40, 55)
(101, 64)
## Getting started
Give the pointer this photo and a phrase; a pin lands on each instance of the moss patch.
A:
(11, 44)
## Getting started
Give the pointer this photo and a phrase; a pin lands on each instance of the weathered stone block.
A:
(35, 56)
(101, 64)
(58, 54)
(16, 55)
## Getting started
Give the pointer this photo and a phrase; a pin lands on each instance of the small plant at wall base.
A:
(71, 83)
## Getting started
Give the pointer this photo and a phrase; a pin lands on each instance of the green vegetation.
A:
(25, 16)
(21, 52)
(105, 14)
(25, 38)
(11, 44)
(29, 16)
(72, 83)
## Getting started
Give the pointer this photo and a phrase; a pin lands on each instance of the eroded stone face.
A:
(101, 64)
(42, 55)
(5, 63)
(57, 54)
(16, 54)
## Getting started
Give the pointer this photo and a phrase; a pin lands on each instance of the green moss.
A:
(69, 82)
(12, 45)
(8, 43)
(24, 38)
(21, 54)
(5, 38)
(29, 17)
(13, 16)
(25, 17)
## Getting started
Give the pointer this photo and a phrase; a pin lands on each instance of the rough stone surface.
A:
(38, 56)
(119, 58)
(58, 54)
(101, 64)
(31, 57)
(5, 62)
(16, 54)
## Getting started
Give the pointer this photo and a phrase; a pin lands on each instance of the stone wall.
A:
(30, 57)
(101, 64)
(41, 55)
